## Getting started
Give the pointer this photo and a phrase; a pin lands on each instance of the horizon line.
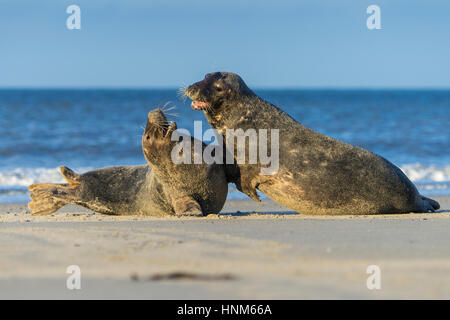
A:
(312, 88)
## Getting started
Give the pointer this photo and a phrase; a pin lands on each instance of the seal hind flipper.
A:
(44, 206)
(430, 204)
(74, 179)
(47, 198)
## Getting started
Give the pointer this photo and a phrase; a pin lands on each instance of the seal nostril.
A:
(147, 137)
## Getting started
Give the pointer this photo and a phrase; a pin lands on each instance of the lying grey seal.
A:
(160, 188)
(317, 174)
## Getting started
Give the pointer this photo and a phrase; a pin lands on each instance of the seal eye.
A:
(219, 89)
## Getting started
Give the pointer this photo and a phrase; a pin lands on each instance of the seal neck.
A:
(234, 114)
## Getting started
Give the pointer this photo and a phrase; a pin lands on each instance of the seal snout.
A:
(198, 103)
(156, 123)
(192, 92)
(198, 93)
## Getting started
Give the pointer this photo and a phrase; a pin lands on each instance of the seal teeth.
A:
(199, 105)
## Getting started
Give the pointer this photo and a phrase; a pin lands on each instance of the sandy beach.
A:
(250, 251)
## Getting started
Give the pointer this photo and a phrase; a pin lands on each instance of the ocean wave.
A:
(418, 172)
(426, 177)
(20, 178)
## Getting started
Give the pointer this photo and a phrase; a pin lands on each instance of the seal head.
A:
(211, 93)
(156, 140)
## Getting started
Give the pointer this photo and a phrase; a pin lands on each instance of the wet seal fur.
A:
(158, 188)
(317, 174)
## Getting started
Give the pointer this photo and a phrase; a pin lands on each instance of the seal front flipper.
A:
(243, 183)
(249, 190)
(247, 185)
(187, 206)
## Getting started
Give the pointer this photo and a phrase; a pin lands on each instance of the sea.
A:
(41, 129)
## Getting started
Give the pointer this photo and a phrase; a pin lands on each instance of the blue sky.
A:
(163, 43)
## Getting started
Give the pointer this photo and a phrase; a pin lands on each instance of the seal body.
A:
(159, 188)
(317, 174)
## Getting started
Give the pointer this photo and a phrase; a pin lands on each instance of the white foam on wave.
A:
(420, 173)
(19, 178)
(23, 177)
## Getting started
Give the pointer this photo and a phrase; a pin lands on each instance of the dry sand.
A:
(251, 251)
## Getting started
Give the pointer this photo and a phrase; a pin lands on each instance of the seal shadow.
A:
(250, 213)
(441, 211)
(182, 275)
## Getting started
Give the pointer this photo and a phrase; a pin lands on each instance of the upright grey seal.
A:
(160, 188)
(317, 174)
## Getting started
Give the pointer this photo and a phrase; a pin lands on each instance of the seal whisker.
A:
(165, 106)
(169, 109)
(182, 93)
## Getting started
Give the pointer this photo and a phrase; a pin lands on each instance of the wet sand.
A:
(251, 251)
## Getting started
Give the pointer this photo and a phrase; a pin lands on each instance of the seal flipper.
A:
(47, 198)
(250, 191)
(187, 206)
(248, 188)
(74, 179)
(242, 183)
(430, 204)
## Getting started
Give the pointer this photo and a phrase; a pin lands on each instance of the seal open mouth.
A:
(199, 105)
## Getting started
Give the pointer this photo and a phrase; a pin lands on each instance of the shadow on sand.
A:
(250, 213)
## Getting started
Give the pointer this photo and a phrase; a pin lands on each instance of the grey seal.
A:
(317, 174)
(160, 187)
